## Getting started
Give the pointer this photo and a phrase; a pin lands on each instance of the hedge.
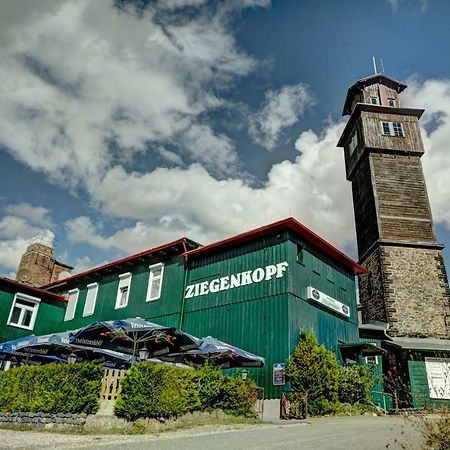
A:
(53, 388)
(162, 392)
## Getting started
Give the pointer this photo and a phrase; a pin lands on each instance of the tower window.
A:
(392, 129)
(23, 311)
(353, 143)
(398, 129)
(391, 102)
(374, 100)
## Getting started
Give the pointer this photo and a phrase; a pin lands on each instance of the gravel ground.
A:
(11, 439)
(367, 433)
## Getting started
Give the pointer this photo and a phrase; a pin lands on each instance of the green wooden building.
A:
(25, 310)
(255, 290)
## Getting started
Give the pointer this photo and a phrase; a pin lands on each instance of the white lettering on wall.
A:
(236, 280)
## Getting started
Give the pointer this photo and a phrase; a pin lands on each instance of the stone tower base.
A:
(408, 288)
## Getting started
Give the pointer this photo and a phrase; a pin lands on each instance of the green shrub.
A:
(53, 388)
(162, 392)
(237, 397)
(355, 384)
(313, 369)
(156, 391)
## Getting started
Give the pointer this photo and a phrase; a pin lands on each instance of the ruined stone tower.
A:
(38, 265)
(407, 282)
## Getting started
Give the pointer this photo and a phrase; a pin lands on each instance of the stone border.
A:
(42, 420)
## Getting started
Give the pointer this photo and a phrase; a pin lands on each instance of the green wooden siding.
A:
(419, 386)
(256, 325)
(169, 302)
(48, 319)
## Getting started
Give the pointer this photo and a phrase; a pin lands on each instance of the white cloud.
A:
(169, 203)
(37, 215)
(169, 156)
(396, 4)
(434, 97)
(215, 152)
(281, 109)
(81, 75)
(22, 222)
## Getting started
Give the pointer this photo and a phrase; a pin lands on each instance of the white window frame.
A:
(391, 129)
(152, 279)
(91, 299)
(392, 100)
(28, 298)
(438, 377)
(377, 101)
(124, 281)
(72, 304)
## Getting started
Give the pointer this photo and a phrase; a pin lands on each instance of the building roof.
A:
(286, 224)
(425, 344)
(367, 81)
(25, 289)
(177, 247)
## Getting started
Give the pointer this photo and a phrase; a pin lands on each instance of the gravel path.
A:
(366, 433)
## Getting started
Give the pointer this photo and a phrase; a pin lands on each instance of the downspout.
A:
(183, 300)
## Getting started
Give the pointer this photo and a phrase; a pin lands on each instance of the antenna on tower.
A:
(382, 67)
(374, 65)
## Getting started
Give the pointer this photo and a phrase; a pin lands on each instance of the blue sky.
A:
(124, 125)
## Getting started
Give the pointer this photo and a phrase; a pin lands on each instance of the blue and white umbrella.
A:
(218, 353)
(129, 336)
(57, 347)
(10, 351)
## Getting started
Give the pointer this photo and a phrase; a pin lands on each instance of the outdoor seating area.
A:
(121, 343)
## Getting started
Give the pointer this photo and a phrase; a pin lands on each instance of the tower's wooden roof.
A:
(380, 78)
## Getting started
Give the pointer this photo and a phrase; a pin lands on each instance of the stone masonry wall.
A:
(371, 288)
(408, 288)
(417, 293)
(43, 420)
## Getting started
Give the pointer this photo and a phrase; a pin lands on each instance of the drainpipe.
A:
(183, 300)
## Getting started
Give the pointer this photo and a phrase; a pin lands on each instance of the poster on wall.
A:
(279, 377)
(438, 376)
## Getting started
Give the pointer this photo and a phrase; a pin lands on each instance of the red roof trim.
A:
(30, 289)
(181, 241)
(290, 224)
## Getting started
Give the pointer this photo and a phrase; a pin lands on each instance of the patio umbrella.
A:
(56, 347)
(129, 336)
(9, 352)
(218, 353)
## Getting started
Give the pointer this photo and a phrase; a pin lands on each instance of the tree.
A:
(313, 369)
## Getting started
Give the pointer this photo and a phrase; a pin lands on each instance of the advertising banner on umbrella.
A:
(129, 336)
(57, 348)
(218, 353)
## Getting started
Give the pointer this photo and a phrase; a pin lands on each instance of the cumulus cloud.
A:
(281, 109)
(85, 78)
(434, 97)
(422, 5)
(37, 215)
(168, 203)
(17, 227)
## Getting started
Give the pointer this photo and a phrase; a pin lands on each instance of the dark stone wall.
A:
(408, 287)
